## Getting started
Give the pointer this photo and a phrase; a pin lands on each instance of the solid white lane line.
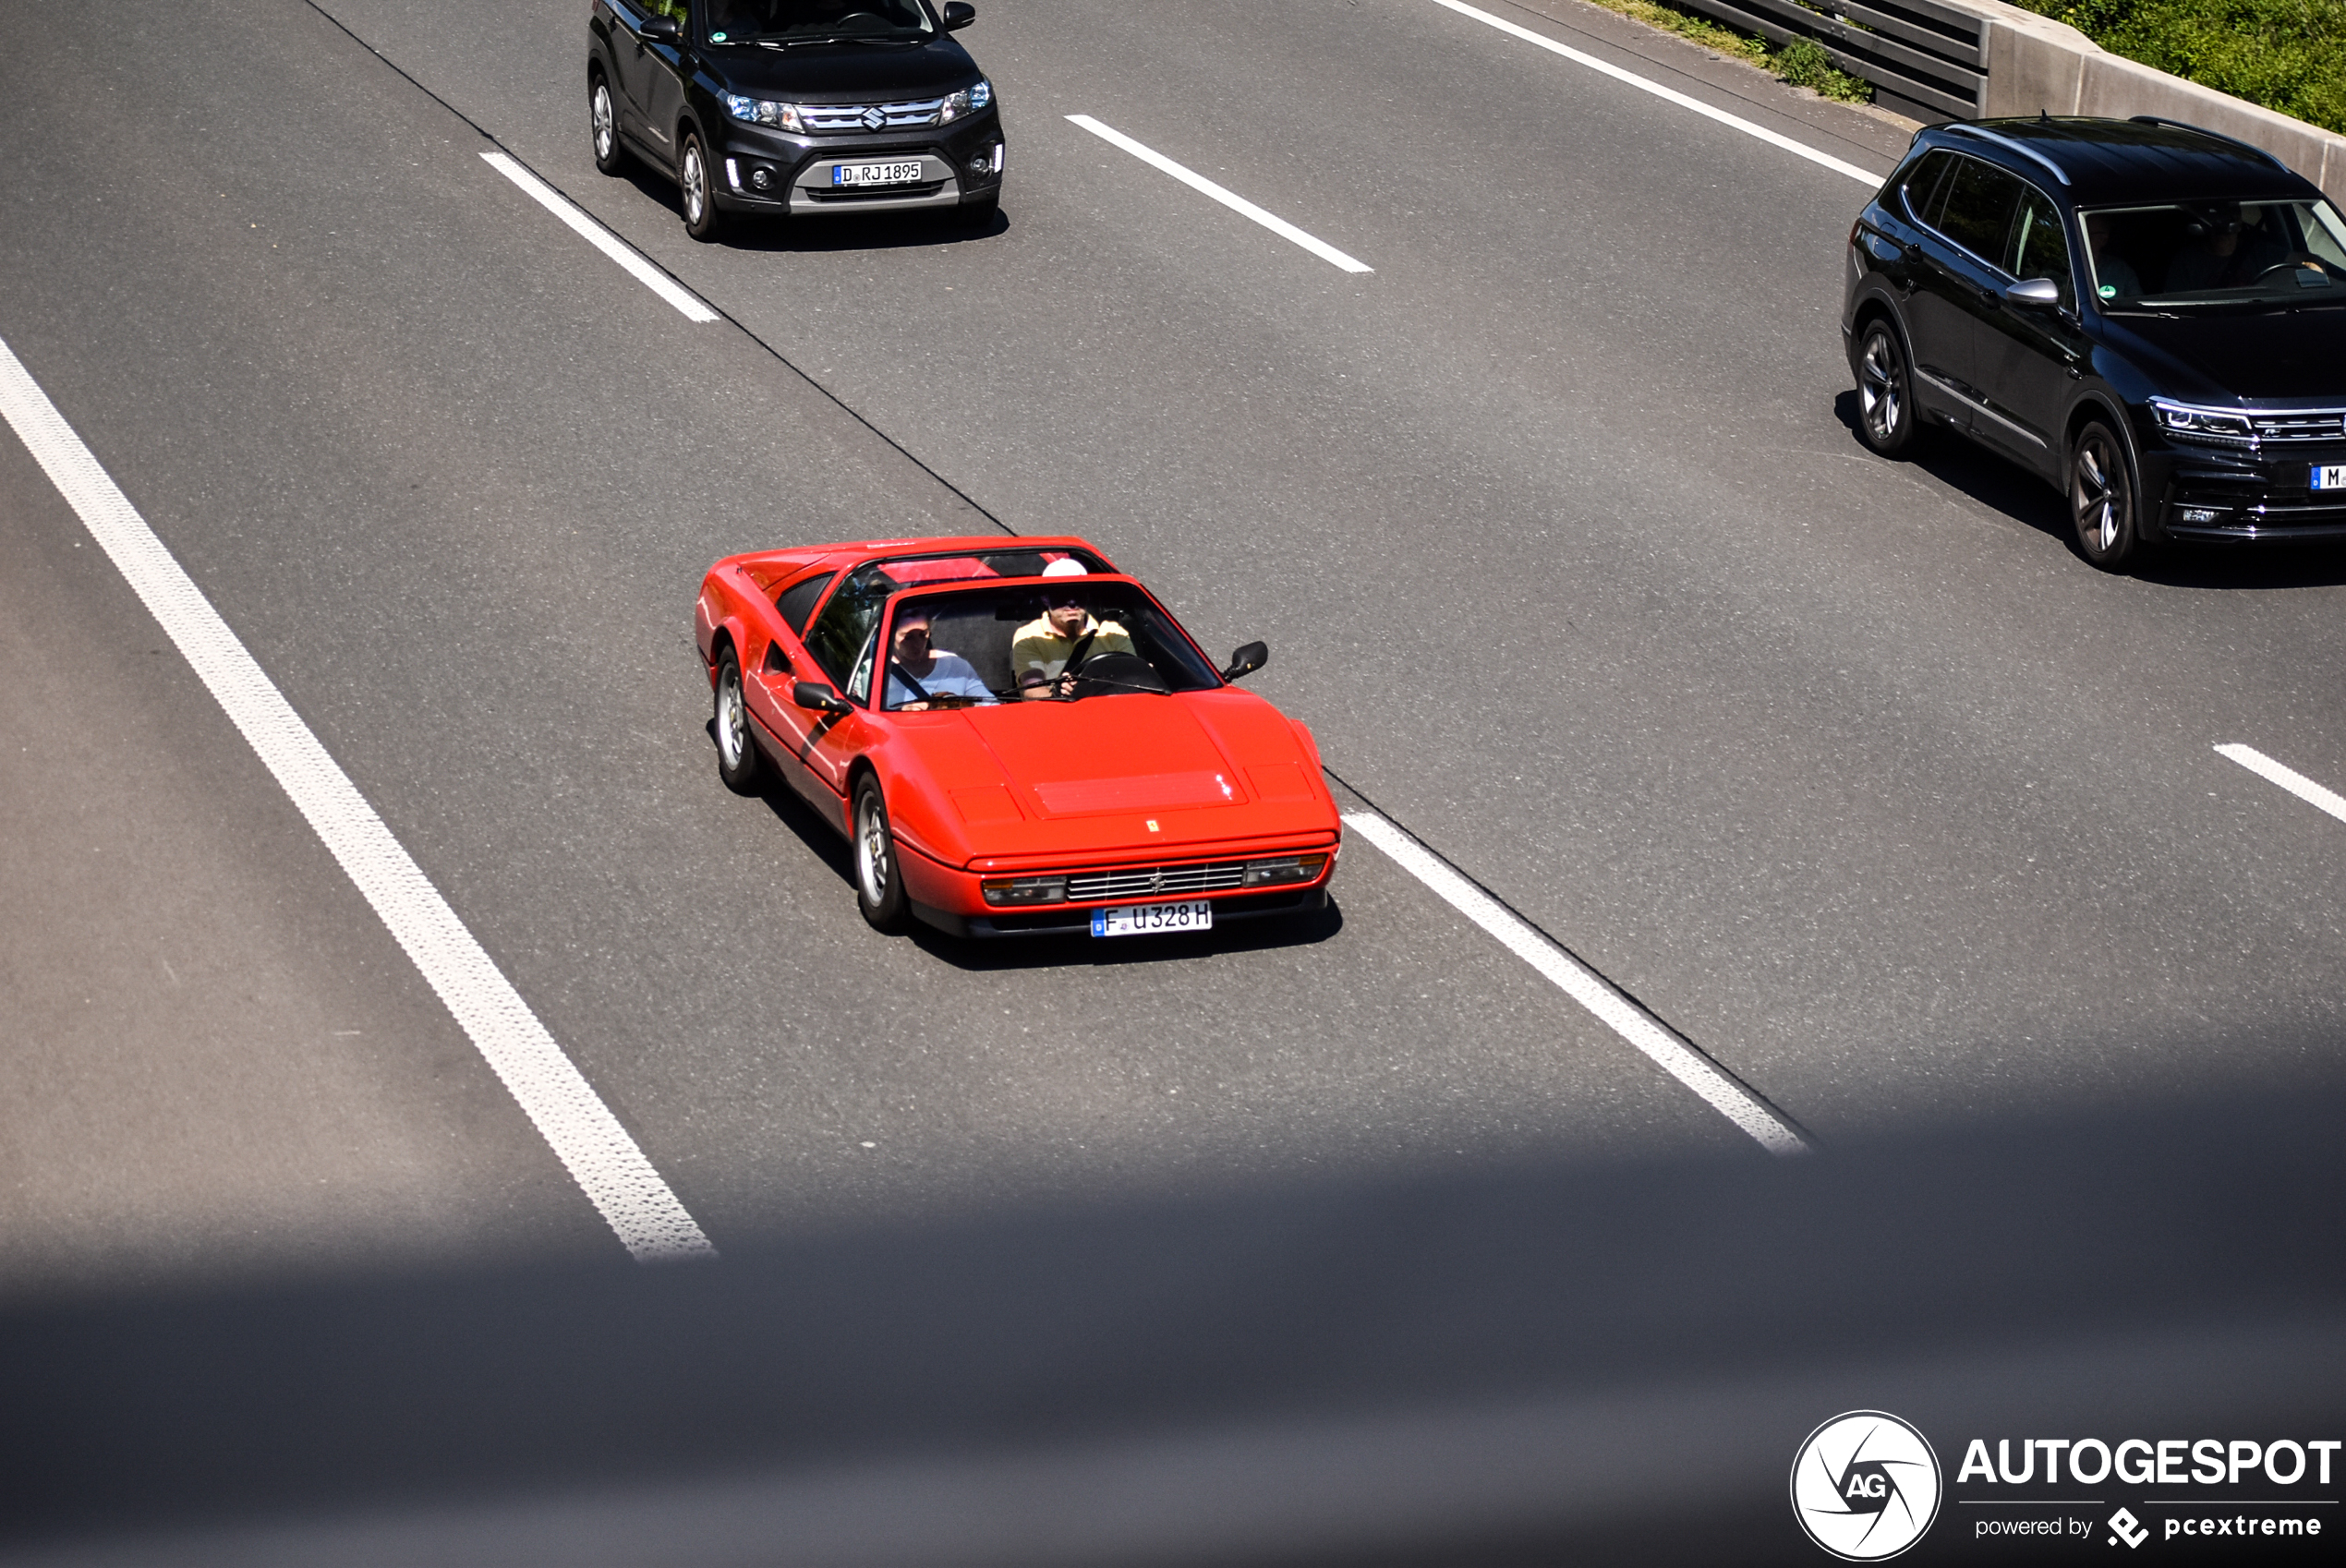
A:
(1690, 1068)
(587, 1139)
(1235, 202)
(601, 238)
(2289, 778)
(1775, 138)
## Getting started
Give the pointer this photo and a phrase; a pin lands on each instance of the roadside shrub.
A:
(1803, 62)
(2286, 55)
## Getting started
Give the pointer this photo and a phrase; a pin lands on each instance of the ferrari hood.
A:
(1125, 773)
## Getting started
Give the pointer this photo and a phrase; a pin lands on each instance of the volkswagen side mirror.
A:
(2034, 291)
(1246, 661)
(958, 14)
(821, 698)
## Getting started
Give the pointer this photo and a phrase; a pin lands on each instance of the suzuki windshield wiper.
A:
(854, 38)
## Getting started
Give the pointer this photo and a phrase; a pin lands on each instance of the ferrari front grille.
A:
(1151, 881)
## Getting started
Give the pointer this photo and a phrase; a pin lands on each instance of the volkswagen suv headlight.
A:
(969, 101)
(2221, 425)
(765, 112)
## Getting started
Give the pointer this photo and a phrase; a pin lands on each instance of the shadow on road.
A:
(878, 230)
(1541, 1362)
(2006, 488)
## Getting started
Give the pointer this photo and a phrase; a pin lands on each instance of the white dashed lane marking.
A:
(1235, 202)
(601, 238)
(2289, 778)
(1584, 985)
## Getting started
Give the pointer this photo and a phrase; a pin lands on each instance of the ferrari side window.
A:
(843, 631)
(798, 600)
(859, 686)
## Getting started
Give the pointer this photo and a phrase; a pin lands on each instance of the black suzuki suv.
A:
(795, 108)
(2150, 316)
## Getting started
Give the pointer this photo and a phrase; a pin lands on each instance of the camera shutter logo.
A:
(1865, 1485)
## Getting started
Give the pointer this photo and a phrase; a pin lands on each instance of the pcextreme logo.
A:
(1865, 1485)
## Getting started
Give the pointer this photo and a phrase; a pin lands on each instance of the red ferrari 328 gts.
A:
(1016, 738)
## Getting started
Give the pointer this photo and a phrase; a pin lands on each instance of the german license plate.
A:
(876, 174)
(2330, 478)
(1143, 919)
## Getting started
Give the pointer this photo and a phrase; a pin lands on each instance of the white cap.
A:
(1065, 566)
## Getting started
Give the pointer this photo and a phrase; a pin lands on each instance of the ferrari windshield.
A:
(1071, 639)
(805, 21)
(2218, 253)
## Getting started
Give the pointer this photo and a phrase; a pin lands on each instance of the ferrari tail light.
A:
(1025, 890)
(1287, 868)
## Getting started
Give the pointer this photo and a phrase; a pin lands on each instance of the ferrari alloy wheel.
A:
(1886, 395)
(600, 118)
(879, 890)
(700, 206)
(737, 756)
(2101, 497)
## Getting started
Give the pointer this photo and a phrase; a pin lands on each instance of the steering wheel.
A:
(1076, 656)
(2292, 262)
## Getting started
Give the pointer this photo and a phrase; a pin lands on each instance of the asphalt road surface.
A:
(1850, 772)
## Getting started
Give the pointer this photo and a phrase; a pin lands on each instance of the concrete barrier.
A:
(2039, 65)
(1937, 58)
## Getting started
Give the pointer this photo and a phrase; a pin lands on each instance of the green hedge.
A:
(2286, 55)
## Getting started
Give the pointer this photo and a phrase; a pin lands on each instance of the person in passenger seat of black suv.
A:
(2116, 279)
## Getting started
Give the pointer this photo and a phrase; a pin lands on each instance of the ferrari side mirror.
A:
(821, 698)
(1246, 661)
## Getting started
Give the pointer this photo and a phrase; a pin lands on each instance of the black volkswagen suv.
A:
(794, 108)
(2150, 316)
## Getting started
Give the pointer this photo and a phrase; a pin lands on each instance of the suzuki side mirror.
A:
(958, 14)
(2038, 291)
(660, 29)
(821, 698)
(1246, 661)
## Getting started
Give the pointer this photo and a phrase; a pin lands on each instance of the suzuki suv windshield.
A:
(2216, 253)
(817, 22)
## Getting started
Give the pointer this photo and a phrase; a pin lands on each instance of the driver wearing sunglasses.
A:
(1040, 652)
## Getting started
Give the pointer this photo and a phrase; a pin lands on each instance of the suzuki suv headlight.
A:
(969, 101)
(765, 112)
(2220, 424)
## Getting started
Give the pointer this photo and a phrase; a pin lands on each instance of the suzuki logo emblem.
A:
(873, 119)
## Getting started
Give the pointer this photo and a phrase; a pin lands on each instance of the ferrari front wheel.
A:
(879, 886)
(736, 747)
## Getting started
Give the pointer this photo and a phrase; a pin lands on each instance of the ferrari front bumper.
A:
(1063, 921)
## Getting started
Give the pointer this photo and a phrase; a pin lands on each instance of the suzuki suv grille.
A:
(870, 117)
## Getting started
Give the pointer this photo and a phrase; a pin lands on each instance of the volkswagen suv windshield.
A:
(2208, 254)
(816, 21)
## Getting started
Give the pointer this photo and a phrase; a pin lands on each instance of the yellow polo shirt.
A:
(1038, 649)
